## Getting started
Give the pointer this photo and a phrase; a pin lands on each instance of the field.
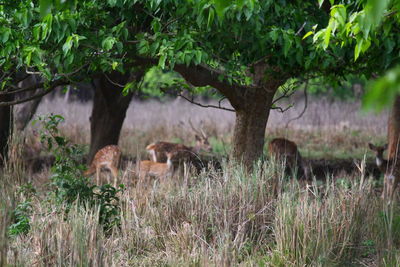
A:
(215, 218)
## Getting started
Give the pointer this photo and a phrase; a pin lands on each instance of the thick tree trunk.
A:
(249, 131)
(394, 129)
(109, 110)
(24, 112)
(5, 128)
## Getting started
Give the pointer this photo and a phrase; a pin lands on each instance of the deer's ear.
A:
(197, 137)
(371, 146)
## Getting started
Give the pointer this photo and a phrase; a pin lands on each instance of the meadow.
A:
(214, 218)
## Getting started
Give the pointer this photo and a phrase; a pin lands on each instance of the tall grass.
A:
(218, 219)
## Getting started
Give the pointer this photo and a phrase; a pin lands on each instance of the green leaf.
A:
(114, 65)
(381, 93)
(5, 34)
(198, 56)
(188, 59)
(36, 32)
(210, 17)
(108, 43)
(45, 7)
(327, 36)
(128, 88)
(28, 58)
(67, 45)
(156, 25)
(307, 34)
(221, 6)
(161, 61)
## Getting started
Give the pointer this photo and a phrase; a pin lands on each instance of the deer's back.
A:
(152, 168)
(110, 154)
(161, 148)
(280, 147)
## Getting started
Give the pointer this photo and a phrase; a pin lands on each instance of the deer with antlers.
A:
(159, 149)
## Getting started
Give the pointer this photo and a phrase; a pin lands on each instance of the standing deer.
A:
(156, 169)
(159, 149)
(390, 168)
(108, 157)
(285, 150)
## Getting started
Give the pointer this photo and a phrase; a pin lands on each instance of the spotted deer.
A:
(390, 169)
(150, 168)
(159, 149)
(285, 150)
(108, 157)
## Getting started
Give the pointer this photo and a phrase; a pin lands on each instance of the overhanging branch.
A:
(191, 100)
(305, 105)
(37, 95)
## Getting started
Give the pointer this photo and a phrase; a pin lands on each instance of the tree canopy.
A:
(371, 29)
(246, 49)
(72, 40)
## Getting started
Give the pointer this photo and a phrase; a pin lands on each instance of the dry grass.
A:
(211, 219)
(215, 219)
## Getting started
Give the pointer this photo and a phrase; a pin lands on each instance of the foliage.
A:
(80, 38)
(350, 88)
(21, 216)
(70, 186)
(370, 28)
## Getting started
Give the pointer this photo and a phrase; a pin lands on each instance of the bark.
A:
(249, 131)
(25, 112)
(252, 106)
(394, 129)
(109, 110)
(5, 128)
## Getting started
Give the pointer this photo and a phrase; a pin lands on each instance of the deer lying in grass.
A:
(390, 168)
(108, 157)
(156, 169)
(159, 149)
(285, 150)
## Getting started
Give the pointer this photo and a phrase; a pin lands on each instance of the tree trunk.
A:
(109, 110)
(249, 131)
(251, 104)
(5, 128)
(24, 112)
(394, 129)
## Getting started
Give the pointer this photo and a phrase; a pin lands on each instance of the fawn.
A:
(156, 169)
(108, 157)
(390, 168)
(159, 149)
(286, 150)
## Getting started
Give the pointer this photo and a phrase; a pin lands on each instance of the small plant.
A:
(70, 186)
(21, 216)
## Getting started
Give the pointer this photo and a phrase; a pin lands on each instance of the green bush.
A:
(69, 185)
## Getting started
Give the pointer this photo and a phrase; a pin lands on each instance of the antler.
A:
(201, 132)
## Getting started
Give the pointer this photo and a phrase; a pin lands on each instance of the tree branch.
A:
(33, 87)
(41, 94)
(305, 106)
(200, 76)
(191, 100)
